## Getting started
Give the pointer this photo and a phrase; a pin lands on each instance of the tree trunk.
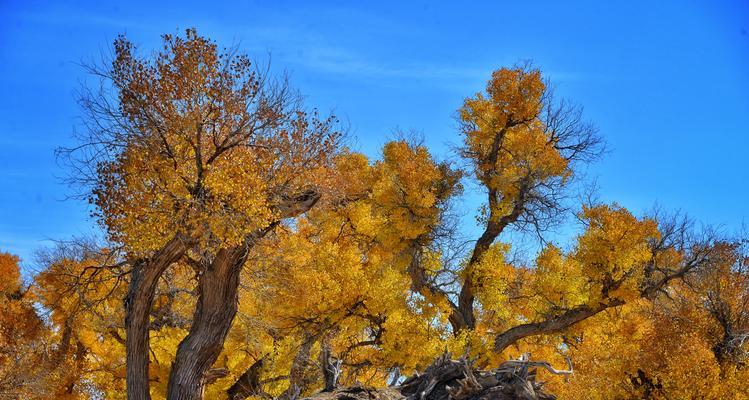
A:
(248, 383)
(331, 368)
(214, 314)
(463, 317)
(138, 303)
(218, 291)
(299, 373)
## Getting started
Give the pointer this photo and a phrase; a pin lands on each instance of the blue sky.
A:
(666, 82)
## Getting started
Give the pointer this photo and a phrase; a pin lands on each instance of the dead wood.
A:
(448, 379)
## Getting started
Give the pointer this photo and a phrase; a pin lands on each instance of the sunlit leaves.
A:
(201, 146)
(614, 249)
(509, 144)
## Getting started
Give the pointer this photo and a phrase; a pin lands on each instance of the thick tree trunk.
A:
(463, 317)
(298, 374)
(214, 314)
(331, 368)
(143, 282)
(218, 291)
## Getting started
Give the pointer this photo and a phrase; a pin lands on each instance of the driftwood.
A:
(448, 379)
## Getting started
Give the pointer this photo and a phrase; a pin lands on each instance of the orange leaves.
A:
(19, 322)
(513, 96)
(396, 199)
(407, 189)
(558, 281)
(200, 145)
(343, 269)
(492, 279)
(24, 349)
(516, 93)
(10, 276)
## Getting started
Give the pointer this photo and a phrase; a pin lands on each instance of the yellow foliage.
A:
(492, 278)
(558, 281)
(506, 141)
(614, 249)
(214, 149)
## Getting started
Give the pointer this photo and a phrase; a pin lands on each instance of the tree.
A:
(664, 348)
(194, 156)
(40, 358)
(523, 148)
(21, 336)
(340, 279)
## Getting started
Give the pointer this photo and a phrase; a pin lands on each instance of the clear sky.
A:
(667, 82)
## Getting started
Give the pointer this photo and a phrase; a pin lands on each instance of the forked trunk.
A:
(218, 299)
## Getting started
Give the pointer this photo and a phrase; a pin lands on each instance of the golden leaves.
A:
(492, 278)
(558, 280)
(204, 148)
(10, 275)
(614, 249)
(202, 145)
(507, 139)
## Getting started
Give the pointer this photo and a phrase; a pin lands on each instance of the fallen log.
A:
(448, 379)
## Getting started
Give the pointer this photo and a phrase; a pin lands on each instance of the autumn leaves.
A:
(244, 229)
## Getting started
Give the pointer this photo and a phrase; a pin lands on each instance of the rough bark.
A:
(218, 291)
(698, 258)
(466, 298)
(138, 304)
(214, 313)
(298, 375)
(465, 318)
(495, 226)
(551, 325)
(331, 367)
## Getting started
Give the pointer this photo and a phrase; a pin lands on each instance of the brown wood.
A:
(138, 303)
(448, 379)
(218, 298)
(218, 290)
(551, 325)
